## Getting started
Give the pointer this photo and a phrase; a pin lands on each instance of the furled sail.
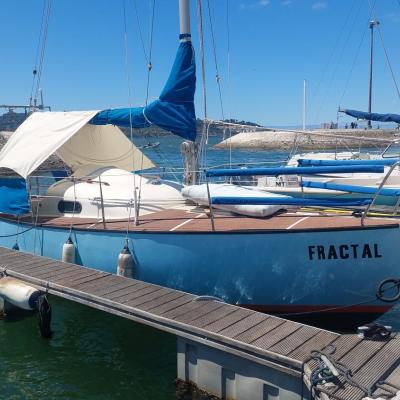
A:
(173, 111)
(372, 116)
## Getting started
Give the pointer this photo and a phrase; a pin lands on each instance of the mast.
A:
(372, 24)
(184, 21)
(304, 103)
(188, 148)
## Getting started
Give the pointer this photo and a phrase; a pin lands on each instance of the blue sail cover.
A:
(174, 110)
(13, 196)
(373, 116)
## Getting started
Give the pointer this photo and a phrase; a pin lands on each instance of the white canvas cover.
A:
(45, 133)
(103, 145)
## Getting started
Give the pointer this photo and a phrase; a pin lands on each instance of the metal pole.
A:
(304, 103)
(102, 204)
(184, 20)
(371, 26)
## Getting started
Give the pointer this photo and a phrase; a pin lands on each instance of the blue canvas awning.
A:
(13, 196)
(173, 111)
(372, 116)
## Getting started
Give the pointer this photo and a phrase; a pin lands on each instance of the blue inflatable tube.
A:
(327, 163)
(294, 170)
(287, 201)
(351, 188)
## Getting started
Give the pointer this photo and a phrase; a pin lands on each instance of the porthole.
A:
(69, 207)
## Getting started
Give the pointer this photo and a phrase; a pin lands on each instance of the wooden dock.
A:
(254, 338)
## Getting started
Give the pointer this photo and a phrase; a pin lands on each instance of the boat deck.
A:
(267, 340)
(180, 220)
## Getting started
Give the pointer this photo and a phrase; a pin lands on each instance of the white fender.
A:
(18, 293)
(68, 251)
(126, 264)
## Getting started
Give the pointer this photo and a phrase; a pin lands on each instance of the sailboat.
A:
(290, 263)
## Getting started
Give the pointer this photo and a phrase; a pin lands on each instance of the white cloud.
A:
(286, 2)
(319, 5)
(254, 4)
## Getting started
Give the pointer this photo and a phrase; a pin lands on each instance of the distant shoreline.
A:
(321, 139)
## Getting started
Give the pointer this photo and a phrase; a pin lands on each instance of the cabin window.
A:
(69, 207)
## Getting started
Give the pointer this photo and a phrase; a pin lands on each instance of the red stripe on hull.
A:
(288, 309)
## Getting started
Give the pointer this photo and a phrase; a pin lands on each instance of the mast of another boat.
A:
(304, 103)
(372, 24)
(189, 149)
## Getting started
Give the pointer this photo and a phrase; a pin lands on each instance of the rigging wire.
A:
(228, 41)
(149, 62)
(372, 6)
(139, 28)
(217, 74)
(40, 53)
(331, 57)
(338, 60)
(201, 152)
(128, 78)
(386, 52)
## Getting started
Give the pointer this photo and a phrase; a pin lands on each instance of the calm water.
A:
(94, 355)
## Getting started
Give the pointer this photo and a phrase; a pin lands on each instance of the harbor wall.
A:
(324, 139)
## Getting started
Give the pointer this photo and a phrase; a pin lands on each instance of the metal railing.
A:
(378, 191)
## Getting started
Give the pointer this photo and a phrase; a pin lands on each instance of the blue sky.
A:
(274, 45)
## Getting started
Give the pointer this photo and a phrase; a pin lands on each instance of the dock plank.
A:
(123, 293)
(244, 325)
(229, 320)
(259, 330)
(295, 340)
(171, 305)
(205, 308)
(276, 335)
(213, 316)
(317, 342)
(168, 298)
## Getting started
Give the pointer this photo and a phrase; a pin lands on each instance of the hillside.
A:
(11, 120)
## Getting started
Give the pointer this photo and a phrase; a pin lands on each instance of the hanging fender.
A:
(18, 293)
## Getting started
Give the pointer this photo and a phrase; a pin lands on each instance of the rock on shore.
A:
(310, 140)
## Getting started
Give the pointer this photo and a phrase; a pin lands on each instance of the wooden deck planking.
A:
(197, 221)
(295, 340)
(121, 293)
(276, 335)
(205, 308)
(152, 304)
(317, 342)
(264, 327)
(171, 305)
(213, 317)
(244, 325)
(229, 320)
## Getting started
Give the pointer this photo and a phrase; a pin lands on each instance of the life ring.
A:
(386, 284)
